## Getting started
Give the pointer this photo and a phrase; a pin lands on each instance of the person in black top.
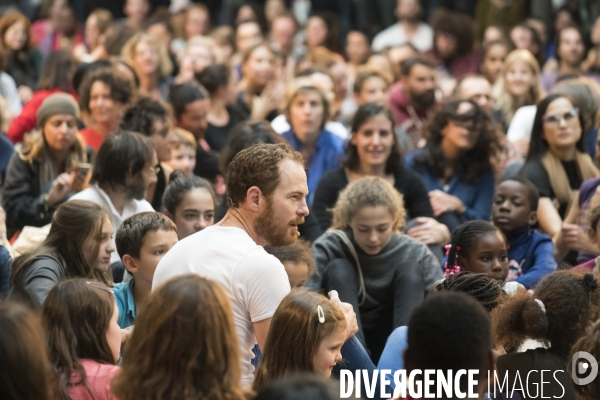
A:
(373, 150)
(556, 163)
(564, 304)
(217, 79)
(150, 118)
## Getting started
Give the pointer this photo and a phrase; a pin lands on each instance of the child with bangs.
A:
(306, 335)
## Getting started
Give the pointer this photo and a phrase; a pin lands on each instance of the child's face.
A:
(103, 245)
(511, 209)
(156, 244)
(183, 158)
(329, 352)
(113, 334)
(488, 256)
(372, 228)
(374, 90)
(195, 212)
(297, 273)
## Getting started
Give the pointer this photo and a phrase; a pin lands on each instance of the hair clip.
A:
(321, 314)
(541, 304)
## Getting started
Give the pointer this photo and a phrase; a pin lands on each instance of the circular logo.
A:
(582, 367)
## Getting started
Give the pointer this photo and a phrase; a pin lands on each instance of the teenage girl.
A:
(84, 339)
(189, 201)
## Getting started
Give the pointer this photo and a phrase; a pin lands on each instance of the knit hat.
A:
(58, 103)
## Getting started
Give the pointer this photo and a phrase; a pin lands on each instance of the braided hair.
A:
(463, 239)
(483, 288)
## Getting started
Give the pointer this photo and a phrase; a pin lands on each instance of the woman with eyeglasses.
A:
(455, 164)
(557, 164)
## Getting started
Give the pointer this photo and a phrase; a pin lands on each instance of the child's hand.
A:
(348, 313)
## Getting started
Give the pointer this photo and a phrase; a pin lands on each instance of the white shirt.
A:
(254, 280)
(395, 35)
(99, 196)
(522, 123)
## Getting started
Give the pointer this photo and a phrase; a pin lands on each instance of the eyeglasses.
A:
(556, 118)
(466, 120)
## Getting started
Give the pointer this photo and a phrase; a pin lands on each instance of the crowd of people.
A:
(241, 199)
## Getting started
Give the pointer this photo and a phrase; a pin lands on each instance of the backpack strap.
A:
(350, 246)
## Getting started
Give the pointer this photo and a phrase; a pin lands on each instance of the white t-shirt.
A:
(99, 196)
(395, 35)
(254, 280)
(522, 123)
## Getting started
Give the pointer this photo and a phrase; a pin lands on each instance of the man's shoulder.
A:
(90, 194)
(142, 205)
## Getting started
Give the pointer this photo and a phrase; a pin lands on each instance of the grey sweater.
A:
(36, 281)
(376, 269)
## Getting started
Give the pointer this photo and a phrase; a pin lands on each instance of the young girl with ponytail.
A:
(564, 304)
(480, 247)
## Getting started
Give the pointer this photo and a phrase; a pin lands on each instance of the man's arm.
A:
(261, 329)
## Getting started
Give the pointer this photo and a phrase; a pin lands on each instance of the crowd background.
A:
(447, 146)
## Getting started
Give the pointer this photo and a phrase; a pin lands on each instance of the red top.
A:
(91, 138)
(26, 121)
(98, 377)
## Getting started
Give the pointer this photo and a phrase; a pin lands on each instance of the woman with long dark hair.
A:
(557, 163)
(455, 163)
(78, 246)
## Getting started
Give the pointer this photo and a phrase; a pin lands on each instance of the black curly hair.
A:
(571, 303)
(482, 287)
(477, 160)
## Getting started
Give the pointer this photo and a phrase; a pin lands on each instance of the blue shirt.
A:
(530, 256)
(327, 155)
(477, 198)
(125, 303)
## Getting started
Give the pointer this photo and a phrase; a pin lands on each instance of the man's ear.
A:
(253, 196)
(129, 263)
(532, 220)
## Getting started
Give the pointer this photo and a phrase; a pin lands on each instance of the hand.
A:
(521, 146)
(574, 238)
(442, 202)
(126, 334)
(79, 181)
(270, 99)
(25, 93)
(351, 322)
(429, 231)
(61, 186)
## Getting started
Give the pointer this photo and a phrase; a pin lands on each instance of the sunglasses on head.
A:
(556, 118)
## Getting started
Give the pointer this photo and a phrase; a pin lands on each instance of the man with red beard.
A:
(267, 192)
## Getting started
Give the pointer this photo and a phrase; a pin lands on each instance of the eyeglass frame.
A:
(546, 117)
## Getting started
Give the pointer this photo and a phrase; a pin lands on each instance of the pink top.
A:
(98, 377)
